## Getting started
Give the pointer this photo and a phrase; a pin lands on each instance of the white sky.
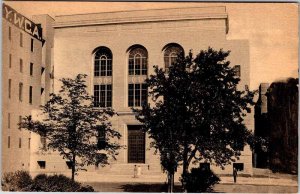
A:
(271, 28)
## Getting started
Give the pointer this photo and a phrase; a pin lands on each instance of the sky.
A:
(271, 28)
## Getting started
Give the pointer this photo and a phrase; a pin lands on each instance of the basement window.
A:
(42, 164)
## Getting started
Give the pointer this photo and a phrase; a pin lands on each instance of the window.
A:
(9, 88)
(102, 95)
(30, 94)
(171, 53)
(20, 92)
(101, 144)
(137, 94)
(20, 142)
(136, 144)
(103, 62)
(29, 139)
(20, 120)
(238, 166)
(69, 164)
(42, 70)
(9, 61)
(9, 33)
(138, 61)
(21, 39)
(31, 45)
(43, 142)
(42, 164)
(237, 70)
(204, 166)
(21, 65)
(31, 69)
(8, 142)
(8, 120)
(42, 90)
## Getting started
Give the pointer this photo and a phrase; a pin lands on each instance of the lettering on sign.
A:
(22, 22)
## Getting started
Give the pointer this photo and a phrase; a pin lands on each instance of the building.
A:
(23, 68)
(276, 119)
(117, 50)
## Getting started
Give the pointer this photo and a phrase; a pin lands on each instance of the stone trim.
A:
(142, 16)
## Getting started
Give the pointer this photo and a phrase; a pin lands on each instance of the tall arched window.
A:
(103, 62)
(171, 52)
(138, 61)
(103, 72)
(137, 72)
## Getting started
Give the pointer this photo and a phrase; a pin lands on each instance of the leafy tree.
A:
(72, 126)
(197, 111)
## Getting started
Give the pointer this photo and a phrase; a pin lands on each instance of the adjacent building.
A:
(276, 120)
(23, 68)
(117, 50)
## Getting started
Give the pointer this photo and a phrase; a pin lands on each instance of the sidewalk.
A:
(162, 179)
(259, 181)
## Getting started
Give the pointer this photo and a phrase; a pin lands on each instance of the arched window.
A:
(103, 72)
(103, 62)
(138, 61)
(171, 53)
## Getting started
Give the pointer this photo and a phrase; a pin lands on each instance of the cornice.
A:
(141, 16)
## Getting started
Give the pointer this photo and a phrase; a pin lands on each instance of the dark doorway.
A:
(136, 144)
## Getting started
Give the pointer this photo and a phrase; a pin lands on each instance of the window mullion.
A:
(105, 95)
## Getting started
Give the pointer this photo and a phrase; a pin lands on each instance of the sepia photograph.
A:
(183, 97)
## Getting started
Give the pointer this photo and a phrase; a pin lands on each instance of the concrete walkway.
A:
(162, 179)
(259, 181)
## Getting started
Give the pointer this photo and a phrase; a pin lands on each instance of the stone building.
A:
(117, 50)
(276, 119)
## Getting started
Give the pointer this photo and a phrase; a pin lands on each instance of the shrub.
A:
(200, 180)
(22, 181)
(57, 183)
(16, 181)
(86, 188)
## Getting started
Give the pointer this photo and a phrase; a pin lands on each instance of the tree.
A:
(198, 111)
(80, 132)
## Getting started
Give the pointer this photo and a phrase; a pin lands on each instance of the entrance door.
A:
(136, 144)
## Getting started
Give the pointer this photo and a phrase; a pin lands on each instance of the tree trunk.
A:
(185, 161)
(170, 182)
(185, 166)
(73, 167)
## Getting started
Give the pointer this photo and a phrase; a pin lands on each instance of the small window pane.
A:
(31, 45)
(20, 92)
(21, 65)
(8, 120)
(21, 39)
(31, 68)
(20, 142)
(130, 94)
(9, 61)
(30, 94)
(9, 33)
(8, 141)
(9, 88)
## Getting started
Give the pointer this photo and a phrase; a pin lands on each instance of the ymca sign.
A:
(22, 22)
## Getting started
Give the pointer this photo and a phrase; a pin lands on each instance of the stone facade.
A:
(77, 38)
